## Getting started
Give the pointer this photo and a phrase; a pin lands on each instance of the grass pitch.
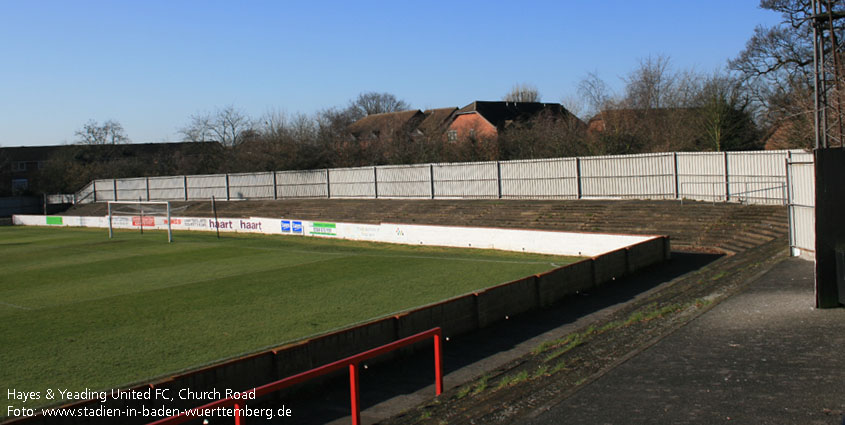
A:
(78, 310)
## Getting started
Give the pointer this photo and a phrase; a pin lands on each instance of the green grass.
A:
(509, 380)
(80, 311)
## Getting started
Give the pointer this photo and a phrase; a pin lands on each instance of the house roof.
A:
(437, 119)
(500, 113)
(376, 124)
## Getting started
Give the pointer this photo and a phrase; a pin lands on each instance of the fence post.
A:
(328, 185)
(275, 185)
(727, 180)
(677, 187)
(789, 209)
(226, 180)
(578, 177)
(114, 189)
(353, 394)
(499, 177)
(147, 183)
(185, 186)
(94, 183)
(438, 365)
(431, 178)
(375, 181)
(237, 412)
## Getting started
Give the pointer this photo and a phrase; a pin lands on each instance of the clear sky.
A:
(152, 64)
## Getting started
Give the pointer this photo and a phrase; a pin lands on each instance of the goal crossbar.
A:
(140, 212)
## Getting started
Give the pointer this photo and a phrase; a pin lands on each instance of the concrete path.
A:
(763, 356)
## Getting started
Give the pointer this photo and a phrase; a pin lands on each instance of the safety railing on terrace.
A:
(237, 402)
(752, 177)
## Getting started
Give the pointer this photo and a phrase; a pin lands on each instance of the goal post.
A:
(139, 211)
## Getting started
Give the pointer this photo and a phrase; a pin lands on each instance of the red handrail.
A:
(350, 362)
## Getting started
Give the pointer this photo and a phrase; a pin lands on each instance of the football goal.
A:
(139, 214)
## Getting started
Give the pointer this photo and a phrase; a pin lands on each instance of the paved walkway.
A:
(763, 356)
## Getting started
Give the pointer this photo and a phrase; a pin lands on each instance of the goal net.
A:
(140, 215)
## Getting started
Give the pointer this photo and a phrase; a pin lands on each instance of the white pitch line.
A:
(15, 306)
(422, 257)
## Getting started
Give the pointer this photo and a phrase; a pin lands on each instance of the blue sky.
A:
(152, 64)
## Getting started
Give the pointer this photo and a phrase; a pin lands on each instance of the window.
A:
(19, 185)
(452, 135)
(19, 166)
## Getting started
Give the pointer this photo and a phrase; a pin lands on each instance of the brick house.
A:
(482, 120)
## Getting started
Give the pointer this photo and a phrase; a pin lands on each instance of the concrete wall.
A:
(518, 240)
(455, 316)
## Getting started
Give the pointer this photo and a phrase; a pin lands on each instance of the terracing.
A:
(755, 233)
(692, 226)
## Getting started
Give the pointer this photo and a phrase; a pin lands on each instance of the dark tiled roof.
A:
(376, 124)
(500, 113)
(437, 119)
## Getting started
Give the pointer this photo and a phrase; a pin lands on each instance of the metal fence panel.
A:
(466, 180)
(701, 176)
(630, 176)
(166, 188)
(206, 186)
(105, 190)
(132, 189)
(404, 181)
(60, 198)
(757, 177)
(301, 184)
(356, 182)
(544, 178)
(801, 156)
(86, 194)
(251, 186)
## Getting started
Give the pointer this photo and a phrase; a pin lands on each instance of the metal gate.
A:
(801, 195)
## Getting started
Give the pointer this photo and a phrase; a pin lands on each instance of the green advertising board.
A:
(324, 229)
(54, 221)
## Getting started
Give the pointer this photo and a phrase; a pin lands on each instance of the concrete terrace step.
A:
(729, 228)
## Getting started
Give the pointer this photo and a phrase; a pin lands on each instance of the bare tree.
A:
(776, 66)
(227, 126)
(376, 103)
(595, 92)
(723, 116)
(109, 133)
(650, 85)
(522, 93)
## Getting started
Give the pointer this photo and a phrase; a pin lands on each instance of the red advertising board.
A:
(148, 221)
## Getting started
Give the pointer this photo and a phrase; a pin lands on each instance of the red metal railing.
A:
(350, 362)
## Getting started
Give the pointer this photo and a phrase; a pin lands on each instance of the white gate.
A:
(800, 175)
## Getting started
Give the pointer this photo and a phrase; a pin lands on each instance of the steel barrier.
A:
(350, 363)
